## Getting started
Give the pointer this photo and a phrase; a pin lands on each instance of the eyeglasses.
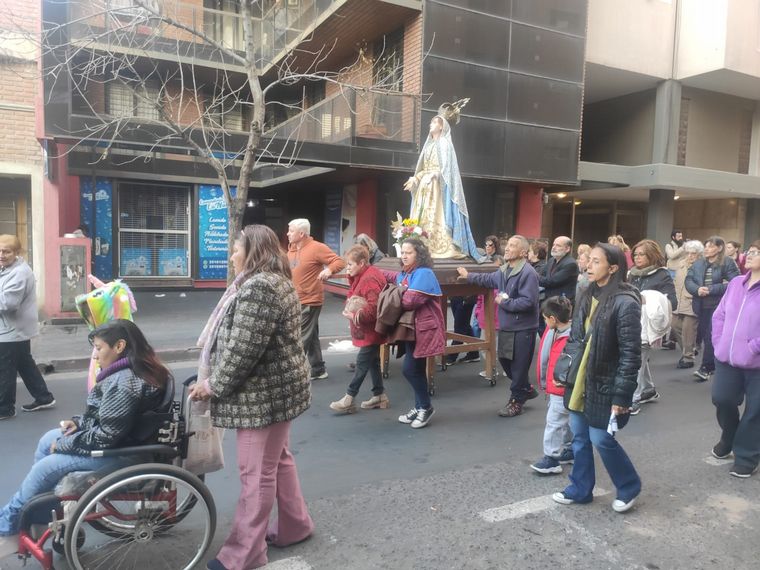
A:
(489, 244)
(639, 254)
(753, 252)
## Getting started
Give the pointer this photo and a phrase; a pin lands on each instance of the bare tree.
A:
(210, 89)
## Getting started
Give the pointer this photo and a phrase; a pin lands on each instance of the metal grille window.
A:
(154, 237)
(226, 115)
(122, 101)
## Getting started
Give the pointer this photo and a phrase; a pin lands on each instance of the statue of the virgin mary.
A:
(437, 195)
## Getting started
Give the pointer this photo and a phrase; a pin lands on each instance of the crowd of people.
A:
(596, 318)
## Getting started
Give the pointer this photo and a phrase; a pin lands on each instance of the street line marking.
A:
(710, 460)
(293, 563)
(526, 507)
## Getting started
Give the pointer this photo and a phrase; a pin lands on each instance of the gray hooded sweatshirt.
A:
(18, 302)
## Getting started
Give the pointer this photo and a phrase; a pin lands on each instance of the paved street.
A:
(460, 493)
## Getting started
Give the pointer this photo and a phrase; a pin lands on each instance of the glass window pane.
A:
(458, 34)
(563, 15)
(544, 102)
(540, 52)
(539, 153)
(448, 81)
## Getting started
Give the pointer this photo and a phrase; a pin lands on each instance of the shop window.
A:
(154, 236)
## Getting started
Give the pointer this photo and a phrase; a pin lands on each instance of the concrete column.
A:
(660, 215)
(667, 114)
(752, 221)
(754, 148)
(529, 210)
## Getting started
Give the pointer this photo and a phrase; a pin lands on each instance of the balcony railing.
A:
(354, 115)
(276, 24)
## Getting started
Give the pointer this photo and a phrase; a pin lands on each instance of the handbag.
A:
(204, 447)
(569, 362)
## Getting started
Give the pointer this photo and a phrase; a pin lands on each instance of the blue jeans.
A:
(414, 372)
(47, 471)
(616, 461)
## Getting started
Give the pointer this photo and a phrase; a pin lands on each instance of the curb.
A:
(168, 355)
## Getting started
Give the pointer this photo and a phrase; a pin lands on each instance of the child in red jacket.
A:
(365, 283)
(557, 435)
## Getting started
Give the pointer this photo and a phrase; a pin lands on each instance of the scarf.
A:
(120, 364)
(644, 271)
(207, 340)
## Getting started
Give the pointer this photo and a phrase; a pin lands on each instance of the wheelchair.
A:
(148, 515)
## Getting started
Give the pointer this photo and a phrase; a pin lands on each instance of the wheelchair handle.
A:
(157, 449)
(190, 380)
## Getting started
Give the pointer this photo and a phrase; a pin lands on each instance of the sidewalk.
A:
(171, 322)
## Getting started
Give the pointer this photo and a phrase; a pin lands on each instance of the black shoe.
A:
(7, 415)
(649, 396)
(703, 374)
(451, 359)
(532, 394)
(685, 364)
(471, 357)
(742, 472)
(37, 405)
(214, 564)
(721, 450)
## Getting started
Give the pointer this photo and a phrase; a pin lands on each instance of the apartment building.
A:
(154, 209)
(671, 123)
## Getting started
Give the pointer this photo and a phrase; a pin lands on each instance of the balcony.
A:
(355, 118)
(120, 26)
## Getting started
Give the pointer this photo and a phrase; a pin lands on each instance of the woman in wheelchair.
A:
(131, 382)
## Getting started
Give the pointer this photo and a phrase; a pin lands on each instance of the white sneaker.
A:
(560, 498)
(408, 417)
(423, 418)
(620, 507)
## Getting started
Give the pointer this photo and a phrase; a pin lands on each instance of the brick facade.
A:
(17, 115)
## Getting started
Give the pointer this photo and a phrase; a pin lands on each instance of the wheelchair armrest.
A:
(157, 449)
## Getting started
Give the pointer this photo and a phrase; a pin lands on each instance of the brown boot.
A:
(345, 405)
(380, 401)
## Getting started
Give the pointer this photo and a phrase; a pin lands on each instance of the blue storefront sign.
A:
(100, 224)
(135, 262)
(172, 262)
(213, 232)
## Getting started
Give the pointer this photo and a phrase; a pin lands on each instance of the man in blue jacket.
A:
(517, 298)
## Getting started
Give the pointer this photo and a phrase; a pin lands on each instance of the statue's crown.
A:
(450, 111)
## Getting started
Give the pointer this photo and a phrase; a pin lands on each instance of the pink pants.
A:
(267, 471)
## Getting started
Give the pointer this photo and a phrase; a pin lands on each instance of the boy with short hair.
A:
(556, 312)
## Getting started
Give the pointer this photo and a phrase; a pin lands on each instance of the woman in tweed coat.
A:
(254, 369)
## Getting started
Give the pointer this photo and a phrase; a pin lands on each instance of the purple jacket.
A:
(736, 325)
(520, 311)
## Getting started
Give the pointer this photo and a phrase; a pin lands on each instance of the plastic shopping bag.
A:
(204, 449)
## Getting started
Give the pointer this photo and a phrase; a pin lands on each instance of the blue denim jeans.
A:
(616, 461)
(48, 469)
(414, 372)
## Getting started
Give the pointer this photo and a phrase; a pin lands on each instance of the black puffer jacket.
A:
(658, 279)
(615, 356)
(722, 274)
(114, 406)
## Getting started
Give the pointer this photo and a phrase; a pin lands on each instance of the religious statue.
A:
(437, 196)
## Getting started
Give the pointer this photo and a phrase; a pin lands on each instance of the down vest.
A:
(615, 353)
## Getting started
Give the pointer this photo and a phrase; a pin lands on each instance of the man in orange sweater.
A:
(311, 262)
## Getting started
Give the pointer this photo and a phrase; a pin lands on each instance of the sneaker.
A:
(512, 409)
(451, 359)
(483, 374)
(648, 397)
(721, 450)
(37, 405)
(532, 394)
(547, 466)
(320, 376)
(8, 415)
(685, 364)
(562, 499)
(703, 374)
(566, 456)
(423, 418)
(408, 417)
(635, 409)
(471, 357)
(380, 401)
(345, 405)
(742, 472)
(620, 506)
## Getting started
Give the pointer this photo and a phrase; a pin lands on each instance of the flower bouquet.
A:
(404, 228)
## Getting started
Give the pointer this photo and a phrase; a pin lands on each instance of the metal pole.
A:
(572, 220)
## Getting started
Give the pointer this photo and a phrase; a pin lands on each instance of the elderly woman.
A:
(684, 317)
(375, 254)
(18, 324)
(255, 371)
(422, 294)
(736, 337)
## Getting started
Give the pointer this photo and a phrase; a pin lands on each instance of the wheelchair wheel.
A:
(117, 526)
(166, 518)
